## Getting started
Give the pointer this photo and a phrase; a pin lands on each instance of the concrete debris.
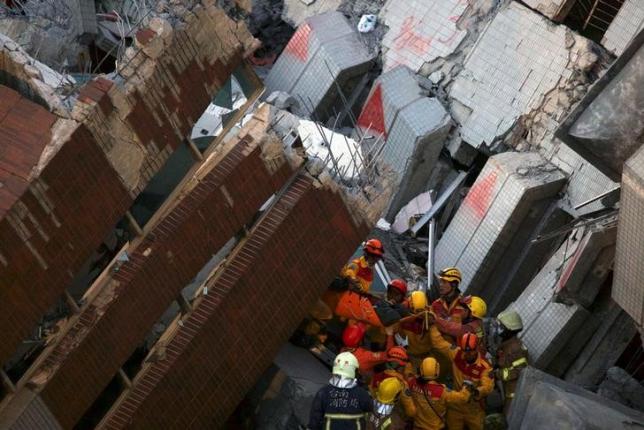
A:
(629, 272)
(621, 387)
(504, 207)
(605, 128)
(413, 127)
(325, 53)
(628, 22)
(298, 11)
(543, 402)
(556, 10)
(367, 23)
(504, 81)
(589, 254)
(282, 100)
(416, 207)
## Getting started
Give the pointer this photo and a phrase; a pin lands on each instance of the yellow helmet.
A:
(450, 274)
(418, 301)
(477, 306)
(429, 368)
(388, 391)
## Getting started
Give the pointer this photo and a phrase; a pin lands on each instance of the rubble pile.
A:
(493, 147)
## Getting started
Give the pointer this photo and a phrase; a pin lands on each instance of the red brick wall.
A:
(89, 355)
(234, 332)
(74, 203)
(79, 196)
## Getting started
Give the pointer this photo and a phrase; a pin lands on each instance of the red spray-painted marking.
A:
(410, 39)
(478, 199)
(373, 116)
(298, 46)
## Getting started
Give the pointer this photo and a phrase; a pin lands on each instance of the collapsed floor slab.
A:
(412, 127)
(521, 65)
(325, 51)
(627, 23)
(502, 210)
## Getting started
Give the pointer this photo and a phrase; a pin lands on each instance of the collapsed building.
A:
(157, 215)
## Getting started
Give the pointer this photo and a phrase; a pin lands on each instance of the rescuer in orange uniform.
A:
(450, 305)
(472, 322)
(470, 369)
(359, 272)
(352, 338)
(397, 359)
(432, 398)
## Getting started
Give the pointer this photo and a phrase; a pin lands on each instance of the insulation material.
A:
(492, 217)
(324, 51)
(413, 126)
(629, 270)
(628, 22)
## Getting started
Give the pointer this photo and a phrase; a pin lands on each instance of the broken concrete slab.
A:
(622, 388)
(556, 10)
(627, 23)
(543, 402)
(295, 12)
(518, 67)
(421, 32)
(590, 252)
(613, 330)
(629, 271)
(325, 51)
(606, 127)
(500, 213)
(413, 127)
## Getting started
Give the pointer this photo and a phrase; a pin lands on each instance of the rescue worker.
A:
(359, 272)
(472, 322)
(342, 404)
(432, 398)
(352, 337)
(511, 354)
(416, 331)
(449, 306)
(392, 308)
(385, 415)
(469, 368)
(397, 360)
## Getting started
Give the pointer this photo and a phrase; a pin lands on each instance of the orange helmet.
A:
(398, 355)
(400, 285)
(374, 247)
(353, 334)
(468, 342)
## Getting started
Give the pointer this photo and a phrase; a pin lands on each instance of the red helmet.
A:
(353, 334)
(374, 247)
(400, 285)
(468, 342)
(398, 355)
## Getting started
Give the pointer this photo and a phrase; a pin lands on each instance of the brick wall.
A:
(118, 138)
(161, 264)
(233, 333)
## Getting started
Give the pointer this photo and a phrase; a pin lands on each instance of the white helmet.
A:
(345, 365)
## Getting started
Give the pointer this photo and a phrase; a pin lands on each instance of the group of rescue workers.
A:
(438, 376)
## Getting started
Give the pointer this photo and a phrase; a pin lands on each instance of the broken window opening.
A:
(30, 349)
(102, 404)
(591, 18)
(234, 99)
